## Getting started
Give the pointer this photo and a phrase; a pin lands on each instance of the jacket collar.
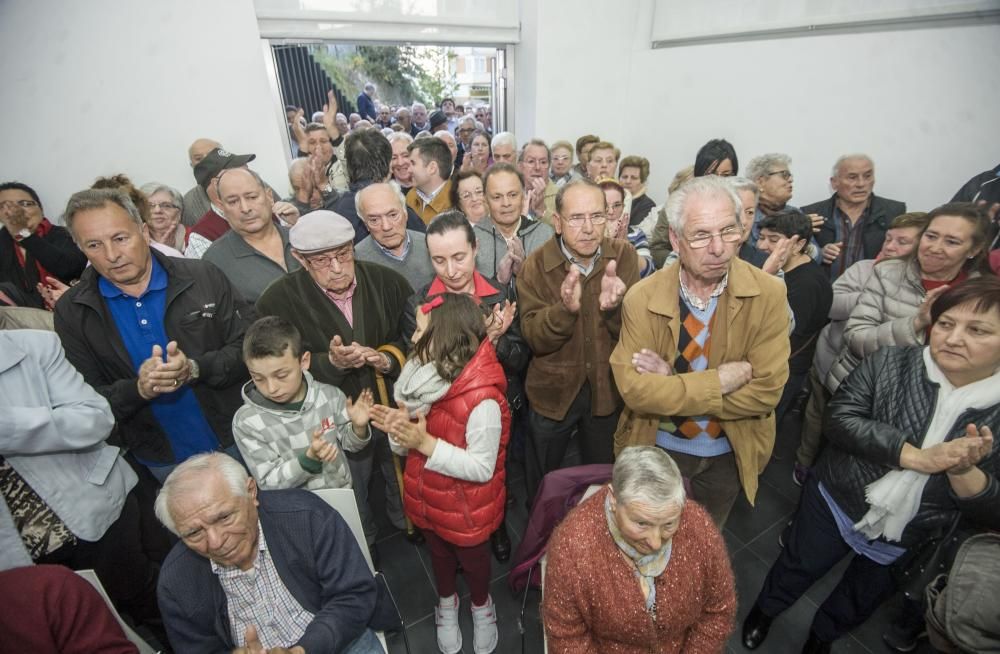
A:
(553, 257)
(527, 225)
(741, 284)
(11, 352)
(89, 294)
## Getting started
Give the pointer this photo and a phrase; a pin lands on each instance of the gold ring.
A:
(175, 383)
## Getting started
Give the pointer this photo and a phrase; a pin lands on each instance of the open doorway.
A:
(474, 77)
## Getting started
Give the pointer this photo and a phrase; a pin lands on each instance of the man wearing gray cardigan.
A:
(389, 243)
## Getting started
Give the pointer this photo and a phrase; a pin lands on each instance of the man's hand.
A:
(146, 384)
(286, 211)
(321, 449)
(346, 356)
(538, 195)
(330, 116)
(254, 646)
(612, 288)
(571, 290)
(511, 262)
(360, 411)
(51, 291)
(500, 321)
(831, 251)
(173, 373)
(817, 221)
(992, 210)
(779, 255)
(922, 320)
(734, 375)
(647, 361)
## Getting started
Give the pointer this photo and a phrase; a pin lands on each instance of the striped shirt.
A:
(258, 597)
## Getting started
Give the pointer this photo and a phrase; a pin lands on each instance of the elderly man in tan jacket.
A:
(703, 352)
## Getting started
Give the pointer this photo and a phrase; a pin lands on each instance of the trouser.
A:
(714, 480)
(120, 561)
(366, 643)
(162, 472)
(548, 439)
(812, 421)
(813, 546)
(475, 562)
(362, 464)
(788, 396)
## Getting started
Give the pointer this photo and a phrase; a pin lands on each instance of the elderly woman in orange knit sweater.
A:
(638, 568)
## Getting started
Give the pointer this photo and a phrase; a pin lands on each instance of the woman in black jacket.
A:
(910, 448)
(32, 249)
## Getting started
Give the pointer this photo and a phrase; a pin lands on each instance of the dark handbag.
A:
(918, 567)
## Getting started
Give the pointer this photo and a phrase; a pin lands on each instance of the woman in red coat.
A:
(453, 487)
(638, 568)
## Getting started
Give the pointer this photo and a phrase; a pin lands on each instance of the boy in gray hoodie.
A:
(291, 427)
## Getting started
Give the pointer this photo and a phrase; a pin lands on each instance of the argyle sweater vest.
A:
(693, 345)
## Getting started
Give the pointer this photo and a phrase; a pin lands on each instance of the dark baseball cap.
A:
(215, 162)
(438, 118)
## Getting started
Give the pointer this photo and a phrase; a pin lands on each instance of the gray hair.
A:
(296, 169)
(445, 134)
(370, 87)
(189, 474)
(503, 138)
(317, 117)
(711, 186)
(152, 188)
(744, 184)
(98, 199)
(647, 474)
(418, 104)
(762, 165)
(399, 196)
(400, 136)
(535, 142)
(467, 118)
(835, 171)
(402, 111)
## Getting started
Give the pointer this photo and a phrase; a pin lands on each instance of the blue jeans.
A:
(162, 472)
(366, 643)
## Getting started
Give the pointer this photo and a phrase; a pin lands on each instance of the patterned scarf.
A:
(647, 566)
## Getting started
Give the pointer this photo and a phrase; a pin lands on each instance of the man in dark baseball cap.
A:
(215, 162)
(212, 224)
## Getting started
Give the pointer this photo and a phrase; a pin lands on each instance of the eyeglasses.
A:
(321, 261)
(577, 221)
(728, 235)
(393, 217)
(785, 174)
(24, 204)
(468, 195)
(163, 205)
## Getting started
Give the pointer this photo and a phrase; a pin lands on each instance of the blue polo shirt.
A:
(140, 325)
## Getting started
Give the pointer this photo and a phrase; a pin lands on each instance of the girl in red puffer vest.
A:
(454, 424)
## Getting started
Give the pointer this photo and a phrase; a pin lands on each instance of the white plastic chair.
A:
(342, 500)
(134, 638)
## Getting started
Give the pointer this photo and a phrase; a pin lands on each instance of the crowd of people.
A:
(430, 302)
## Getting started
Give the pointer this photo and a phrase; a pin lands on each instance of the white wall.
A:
(922, 102)
(106, 86)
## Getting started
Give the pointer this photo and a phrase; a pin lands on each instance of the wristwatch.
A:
(22, 234)
(194, 370)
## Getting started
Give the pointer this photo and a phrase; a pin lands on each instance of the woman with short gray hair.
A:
(166, 205)
(640, 533)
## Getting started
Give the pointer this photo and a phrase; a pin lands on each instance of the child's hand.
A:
(360, 412)
(321, 449)
(386, 418)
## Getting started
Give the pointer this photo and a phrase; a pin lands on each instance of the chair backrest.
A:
(342, 499)
(134, 638)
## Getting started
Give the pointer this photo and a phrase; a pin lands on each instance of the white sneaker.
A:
(484, 627)
(446, 618)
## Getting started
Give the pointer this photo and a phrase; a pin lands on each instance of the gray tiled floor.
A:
(751, 535)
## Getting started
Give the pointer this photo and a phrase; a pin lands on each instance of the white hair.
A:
(503, 138)
(399, 196)
(647, 474)
(399, 136)
(762, 165)
(710, 186)
(190, 475)
(744, 184)
(414, 106)
(370, 87)
(317, 117)
(835, 171)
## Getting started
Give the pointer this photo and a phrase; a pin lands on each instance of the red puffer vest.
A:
(461, 512)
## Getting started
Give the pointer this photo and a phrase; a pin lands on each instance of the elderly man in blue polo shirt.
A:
(159, 337)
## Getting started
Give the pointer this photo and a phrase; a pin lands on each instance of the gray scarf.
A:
(419, 386)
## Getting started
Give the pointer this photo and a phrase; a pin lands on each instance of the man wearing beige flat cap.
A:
(349, 313)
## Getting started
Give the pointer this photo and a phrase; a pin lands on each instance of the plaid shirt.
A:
(258, 597)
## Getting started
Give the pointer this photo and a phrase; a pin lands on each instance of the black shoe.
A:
(416, 536)
(500, 542)
(816, 646)
(906, 633)
(755, 628)
(376, 561)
